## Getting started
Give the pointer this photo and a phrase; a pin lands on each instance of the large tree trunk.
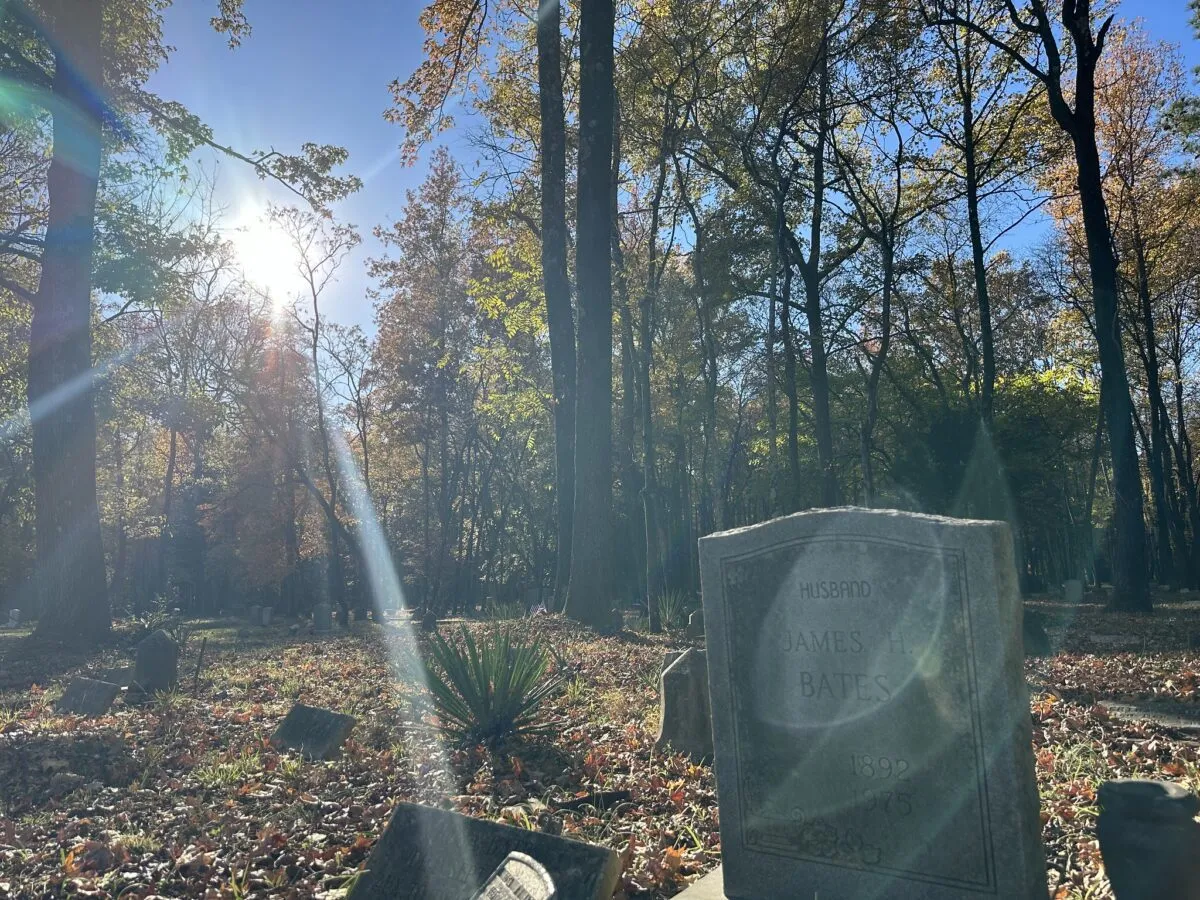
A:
(590, 593)
(71, 589)
(559, 318)
(1131, 587)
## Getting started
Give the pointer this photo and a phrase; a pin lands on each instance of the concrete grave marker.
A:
(685, 722)
(156, 667)
(87, 697)
(432, 854)
(322, 617)
(870, 715)
(519, 877)
(317, 733)
(14, 617)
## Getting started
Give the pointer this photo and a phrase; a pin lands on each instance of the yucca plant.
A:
(671, 605)
(487, 691)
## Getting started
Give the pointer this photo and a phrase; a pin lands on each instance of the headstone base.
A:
(710, 887)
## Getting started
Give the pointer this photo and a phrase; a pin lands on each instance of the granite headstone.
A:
(87, 697)
(432, 854)
(870, 714)
(156, 667)
(317, 733)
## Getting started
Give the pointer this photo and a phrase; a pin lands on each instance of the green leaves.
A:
(487, 691)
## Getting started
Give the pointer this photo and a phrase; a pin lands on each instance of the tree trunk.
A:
(559, 318)
(70, 587)
(590, 595)
(978, 263)
(1131, 587)
(887, 245)
(811, 275)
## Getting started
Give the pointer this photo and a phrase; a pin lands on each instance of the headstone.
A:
(685, 721)
(1073, 590)
(156, 667)
(695, 625)
(1033, 635)
(87, 697)
(317, 733)
(432, 854)
(267, 613)
(14, 617)
(322, 617)
(1150, 840)
(254, 614)
(519, 877)
(870, 714)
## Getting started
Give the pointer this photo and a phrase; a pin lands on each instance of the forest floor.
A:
(183, 796)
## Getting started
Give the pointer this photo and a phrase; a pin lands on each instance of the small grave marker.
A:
(317, 733)
(14, 617)
(322, 617)
(685, 722)
(870, 714)
(87, 697)
(157, 665)
(695, 625)
(432, 854)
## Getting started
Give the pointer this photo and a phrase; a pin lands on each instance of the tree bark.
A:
(1131, 587)
(589, 594)
(559, 317)
(71, 589)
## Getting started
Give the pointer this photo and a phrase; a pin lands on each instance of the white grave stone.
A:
(870, 715)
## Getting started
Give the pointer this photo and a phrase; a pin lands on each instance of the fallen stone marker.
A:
(1181, 717)
(432, 854)
(519, 877)
(315, 732)
(87, 697)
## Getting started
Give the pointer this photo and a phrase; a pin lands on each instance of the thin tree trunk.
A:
(559, 318)
(887, 245)
(71, 588)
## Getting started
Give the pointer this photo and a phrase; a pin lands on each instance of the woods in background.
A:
(715, 261)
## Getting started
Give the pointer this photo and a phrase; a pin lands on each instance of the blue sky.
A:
(313, 70)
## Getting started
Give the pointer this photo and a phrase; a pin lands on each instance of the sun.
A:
(266, 256)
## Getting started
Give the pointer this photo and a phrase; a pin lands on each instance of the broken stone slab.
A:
(1118, 641)
(519, 877)
(432, 854)
(1181, 717)
(315, 732)
(87, 697)
(685, 721)
(156, 667)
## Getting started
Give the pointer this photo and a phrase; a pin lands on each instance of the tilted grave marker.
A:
(432, 854)
(317, 733)
(87, 697)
